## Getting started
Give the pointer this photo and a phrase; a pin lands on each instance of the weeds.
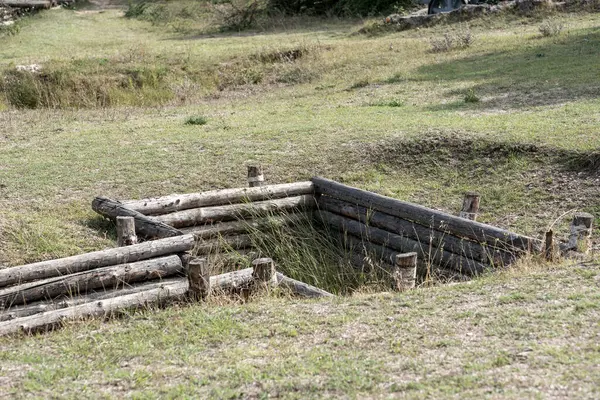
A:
(471, 97)
(460, 39)
(196, 120)
(551, 27)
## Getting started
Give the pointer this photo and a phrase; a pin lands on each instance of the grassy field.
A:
(515, 116)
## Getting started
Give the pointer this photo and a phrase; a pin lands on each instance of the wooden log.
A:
(377, 254)
(255, 176)
(549, 246)
(179, 202)
(144, 225)
(126, 231)
(470, 206)
(226, 243)
(300, 288)
(207, 215)
(404, 274)
(82, 282)
(69, 301)
(31, 4)
(581, 232)
(435, 219)
(97, 259)
(168, 292)
(402, 244)
(426, 236)
(199, 279)
(210, 231)
(264, 270)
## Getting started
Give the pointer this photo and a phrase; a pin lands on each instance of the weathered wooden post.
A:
(404, 273)
(470, 206)
(549, 246)
(264, 271)
(199, 279)
(255, 176)
(581, 232)
(126, 231)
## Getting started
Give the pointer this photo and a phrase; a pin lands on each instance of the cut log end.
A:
(404, 274)
(255, 176)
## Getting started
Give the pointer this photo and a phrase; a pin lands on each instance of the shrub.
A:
(551, 27)
(237, 15)
(471, 97)
(196, 120)
(136, 10)
(452, 40)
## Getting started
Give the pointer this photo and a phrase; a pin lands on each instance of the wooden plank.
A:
(179, 202)
(97, 259)
(83, 282)
(437, 220)
(402, 244)
(144, 225)
(425, 236)
(207, 215)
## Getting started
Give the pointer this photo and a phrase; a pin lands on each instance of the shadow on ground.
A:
(538, 73)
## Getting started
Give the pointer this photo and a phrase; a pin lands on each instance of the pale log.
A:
(217, 245)
(168, 292)
(470, 206)
(97, 259)
(264, 270)
(126, 231)
(435, 219)
(179, 202)
(69, 301)
(207, 215)
(300, 288)
(100, 278)
(236, 227)
(199, 278)
(581, 232)
(404, 274)
(144, 225)
(402, 244)
(255, 176)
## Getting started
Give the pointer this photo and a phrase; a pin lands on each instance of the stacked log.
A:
(441, 239)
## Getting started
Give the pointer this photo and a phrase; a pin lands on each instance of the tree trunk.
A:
(236, 227)
(179, 202)
(97, 259)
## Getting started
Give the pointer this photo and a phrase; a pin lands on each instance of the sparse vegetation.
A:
(551, 27)
(459, 39)
(196, 120)
(471, 97)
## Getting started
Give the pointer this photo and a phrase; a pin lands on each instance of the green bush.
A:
(196, 120)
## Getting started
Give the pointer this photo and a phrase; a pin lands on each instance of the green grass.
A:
(382, 113)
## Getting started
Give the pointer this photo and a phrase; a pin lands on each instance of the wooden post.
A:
(404, 274)
(255, 176)
(126, 231)
(549, 248)
(581, 232)
(264, 270)
(199, 279)
(470, 206)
